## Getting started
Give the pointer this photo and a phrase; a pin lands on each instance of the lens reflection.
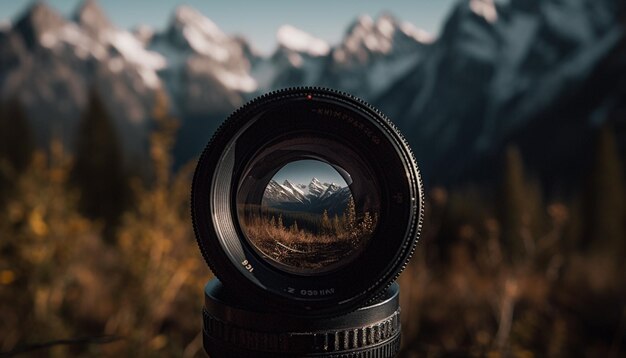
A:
(308, 220)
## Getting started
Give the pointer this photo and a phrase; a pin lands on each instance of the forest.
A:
(96, 259)
(318, 242)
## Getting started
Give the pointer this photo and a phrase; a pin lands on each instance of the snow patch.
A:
(5, 25)
(144, 33)
(239, 82)
(365, 21)
(419, 35)
(189, 17)
(132, 50)
(485, 9)
(198, 42)
(48, 39)
(385, 26)
(300, 41)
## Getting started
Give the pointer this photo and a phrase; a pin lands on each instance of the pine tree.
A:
(162, 141)
(16, 137)
(520, 206)
(16, 146)
(605, 195)
(326, 224)
(351, 215)
(273, 221)
(294, 227)
(351, 221)
(367, 226)
(280, 224)
(98, 171)
(336, 225)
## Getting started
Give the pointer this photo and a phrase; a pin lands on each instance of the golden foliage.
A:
(461, 295)
(59, 279)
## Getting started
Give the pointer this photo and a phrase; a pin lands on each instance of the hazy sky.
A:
(302, 171)
(259, 20)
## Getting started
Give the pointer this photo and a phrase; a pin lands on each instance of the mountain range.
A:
(541, 74)
(312, 198)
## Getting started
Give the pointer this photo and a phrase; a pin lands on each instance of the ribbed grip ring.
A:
(233, 328)
(336, 341)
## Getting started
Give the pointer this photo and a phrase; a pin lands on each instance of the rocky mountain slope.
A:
(541, 74)
(314, 197)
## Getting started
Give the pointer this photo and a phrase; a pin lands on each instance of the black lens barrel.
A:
(232, 327)
(308, 123)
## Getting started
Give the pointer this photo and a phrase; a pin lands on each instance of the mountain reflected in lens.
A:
(308, 220)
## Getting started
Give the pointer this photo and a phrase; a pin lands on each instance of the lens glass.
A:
(308, 220)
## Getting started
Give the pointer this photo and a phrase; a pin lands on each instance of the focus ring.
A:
(336, 341)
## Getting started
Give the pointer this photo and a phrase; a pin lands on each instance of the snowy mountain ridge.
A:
(495, 70)
(314, 196)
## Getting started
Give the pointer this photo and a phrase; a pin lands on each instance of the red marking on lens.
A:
(308, 96)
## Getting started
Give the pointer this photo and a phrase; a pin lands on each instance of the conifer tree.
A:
(351, 214)
(351, 221)
(16, 145)
(367, 226)
(98, 171)
(520, 206)
(16, 138)
(336, 225)
(280, 224)
(326, 224)
(605, 210)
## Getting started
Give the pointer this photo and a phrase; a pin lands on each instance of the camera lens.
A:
(309, 199)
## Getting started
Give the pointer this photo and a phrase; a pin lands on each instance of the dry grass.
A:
(473, 299)
(304, 249)
(58, 279)
(465, 293)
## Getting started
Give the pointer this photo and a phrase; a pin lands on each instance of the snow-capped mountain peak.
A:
(363, 22)
(143, 33)
(190, 30)
(38, 21)
(375, 53)
(92, 18)
(485, 9)
(316, 182)
(386, 25)
(297, 40)
(133, 51)
(295, 190)
(206, 67)
(382, 36)
(331, 189)
(316, 197)
(316, 188)
(419, 35)
(189, 17)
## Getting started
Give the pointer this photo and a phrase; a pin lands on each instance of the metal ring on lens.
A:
(239, 164)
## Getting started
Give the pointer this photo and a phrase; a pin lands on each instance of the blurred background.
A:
(516, 111)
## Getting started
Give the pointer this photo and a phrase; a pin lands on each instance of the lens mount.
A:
(341, 254)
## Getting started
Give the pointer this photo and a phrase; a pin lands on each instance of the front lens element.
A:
(308, 220)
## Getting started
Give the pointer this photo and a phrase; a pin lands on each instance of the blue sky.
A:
(302, 171)
(259, 20)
